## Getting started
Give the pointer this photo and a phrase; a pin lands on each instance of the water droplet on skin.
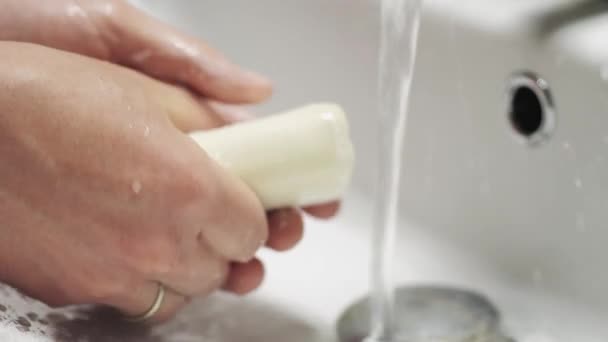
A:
(187, 49)
(75, 11)
(147, 131)
(136, 187)
(141, 56)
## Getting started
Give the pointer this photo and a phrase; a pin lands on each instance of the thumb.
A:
(150, 46)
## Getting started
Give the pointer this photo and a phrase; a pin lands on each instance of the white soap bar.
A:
(296, 158)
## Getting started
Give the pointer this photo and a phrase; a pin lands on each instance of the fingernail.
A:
(237, 114)
(232, 113)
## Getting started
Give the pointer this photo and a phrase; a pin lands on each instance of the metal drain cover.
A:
(429, 314)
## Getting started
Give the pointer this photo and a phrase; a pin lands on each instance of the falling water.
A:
(399, 36)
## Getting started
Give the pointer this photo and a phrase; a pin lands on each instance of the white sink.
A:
(522, 225)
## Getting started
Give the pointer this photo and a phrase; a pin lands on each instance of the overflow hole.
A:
(531, 112)
(526, 112)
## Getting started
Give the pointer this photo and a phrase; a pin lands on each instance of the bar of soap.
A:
(296, 158)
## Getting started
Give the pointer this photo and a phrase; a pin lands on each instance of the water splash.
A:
(141, 56)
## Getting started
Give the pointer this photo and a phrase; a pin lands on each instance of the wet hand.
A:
(117, 32)
(102, 196)
(114, 31)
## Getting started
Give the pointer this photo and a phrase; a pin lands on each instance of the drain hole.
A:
(527, 113)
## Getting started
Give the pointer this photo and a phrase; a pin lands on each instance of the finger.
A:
(229, 216)
(323, 211)
(157, 49)
(202, 274)
(245, 278)
(187, 112)
(240, 227)
(190, 113)
(142, 297)
(285, 229)
(234, 220)
(230, 113)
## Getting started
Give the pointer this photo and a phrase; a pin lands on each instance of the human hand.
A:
(102, 196)
(114, 31)
(117, 32)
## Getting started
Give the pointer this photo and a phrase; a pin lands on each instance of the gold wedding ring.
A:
(158, 302)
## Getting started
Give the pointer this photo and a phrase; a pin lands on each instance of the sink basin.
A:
(481, 208)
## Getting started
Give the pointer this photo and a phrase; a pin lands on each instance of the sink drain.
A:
(429, 314)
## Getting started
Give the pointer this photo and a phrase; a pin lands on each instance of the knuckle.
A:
(202, 278)
(101, 19)
(235, 220)
(214, 277)
(152, 256)
(242, 234)
(255, 236)
(219, 277)
(109, 11)
(189, 189)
